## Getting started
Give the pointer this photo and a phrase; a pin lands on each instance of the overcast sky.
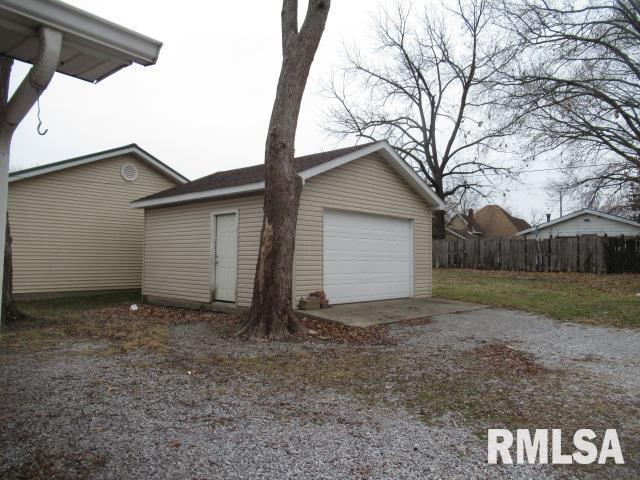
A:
(205, 106)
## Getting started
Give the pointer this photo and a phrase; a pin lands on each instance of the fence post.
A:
(578, 254)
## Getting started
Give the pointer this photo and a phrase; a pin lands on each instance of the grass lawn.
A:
(64, 306)
(601, 299)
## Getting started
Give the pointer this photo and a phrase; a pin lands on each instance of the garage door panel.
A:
(366, 257)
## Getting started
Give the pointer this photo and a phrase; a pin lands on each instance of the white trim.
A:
(399, 165)
(584, 211)
(212, 252)
(339, 161)
(144, 260)
(454, 233)
(87, 29)
(101, 156)
(412, 280)
(187, 197)
(461, 218)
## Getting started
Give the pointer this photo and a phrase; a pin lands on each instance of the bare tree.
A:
(577, 82)
(464, 200)
(271, 312)
(424, 88)
(9, 311)
(536, 218)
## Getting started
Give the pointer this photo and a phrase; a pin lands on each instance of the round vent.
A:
(129, 172)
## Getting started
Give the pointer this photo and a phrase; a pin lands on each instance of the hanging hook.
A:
(40, 130)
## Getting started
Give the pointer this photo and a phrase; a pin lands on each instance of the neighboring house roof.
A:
(131, 149)
(584, 211)
(519, 223)
(495, 221)
(489, 221)
(251, 179)
(464, 217)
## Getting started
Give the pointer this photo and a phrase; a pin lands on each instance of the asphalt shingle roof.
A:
(247, 175)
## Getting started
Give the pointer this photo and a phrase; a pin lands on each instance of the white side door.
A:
(225, 251)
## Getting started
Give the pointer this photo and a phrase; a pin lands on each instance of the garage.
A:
(366, 257)
(363, 232)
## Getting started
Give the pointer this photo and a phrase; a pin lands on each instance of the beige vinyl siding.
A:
(367, 185)
(178, 239)
(73, 229)
(178, 248)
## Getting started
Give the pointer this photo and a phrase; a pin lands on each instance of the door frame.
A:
(411, 220)
(212, 251)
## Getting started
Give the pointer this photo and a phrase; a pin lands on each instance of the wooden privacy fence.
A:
(572, 254)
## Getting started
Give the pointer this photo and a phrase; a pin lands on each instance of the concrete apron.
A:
(367, 314)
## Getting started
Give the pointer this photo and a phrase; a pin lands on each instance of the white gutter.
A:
(32, 86)
(88, 29)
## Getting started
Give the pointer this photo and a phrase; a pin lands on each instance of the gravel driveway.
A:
(415, 405)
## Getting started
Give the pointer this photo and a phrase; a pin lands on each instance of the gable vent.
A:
(129, 172)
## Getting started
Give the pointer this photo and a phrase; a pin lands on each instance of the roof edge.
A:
(85, 27)
(399, 165)
(577, 213)
(190, 197)
(458, 214)
(452, 232)
(93, 157)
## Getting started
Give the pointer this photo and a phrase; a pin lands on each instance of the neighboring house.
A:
(491, 221)
(363, 231)
(584, 222)
(73, 229)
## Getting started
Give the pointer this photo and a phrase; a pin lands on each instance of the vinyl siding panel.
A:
(178, 239)
(178, 243)
(73, 229)
(367, 185)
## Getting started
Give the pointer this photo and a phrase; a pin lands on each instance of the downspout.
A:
(17, 108)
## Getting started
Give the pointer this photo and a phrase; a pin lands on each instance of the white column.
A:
(17, 108)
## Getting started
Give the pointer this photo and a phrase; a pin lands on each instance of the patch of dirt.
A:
(498, 386)
(147, 327)
(327, 330)
(507, 359)
(166, 316)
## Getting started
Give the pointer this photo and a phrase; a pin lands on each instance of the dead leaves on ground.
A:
(506, 359)
(147, 327)
(327, 330)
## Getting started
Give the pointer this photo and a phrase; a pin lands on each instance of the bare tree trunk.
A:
(438, 224)
(8, 310)
(271, 312)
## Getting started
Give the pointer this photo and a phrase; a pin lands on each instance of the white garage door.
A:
(366, 257)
